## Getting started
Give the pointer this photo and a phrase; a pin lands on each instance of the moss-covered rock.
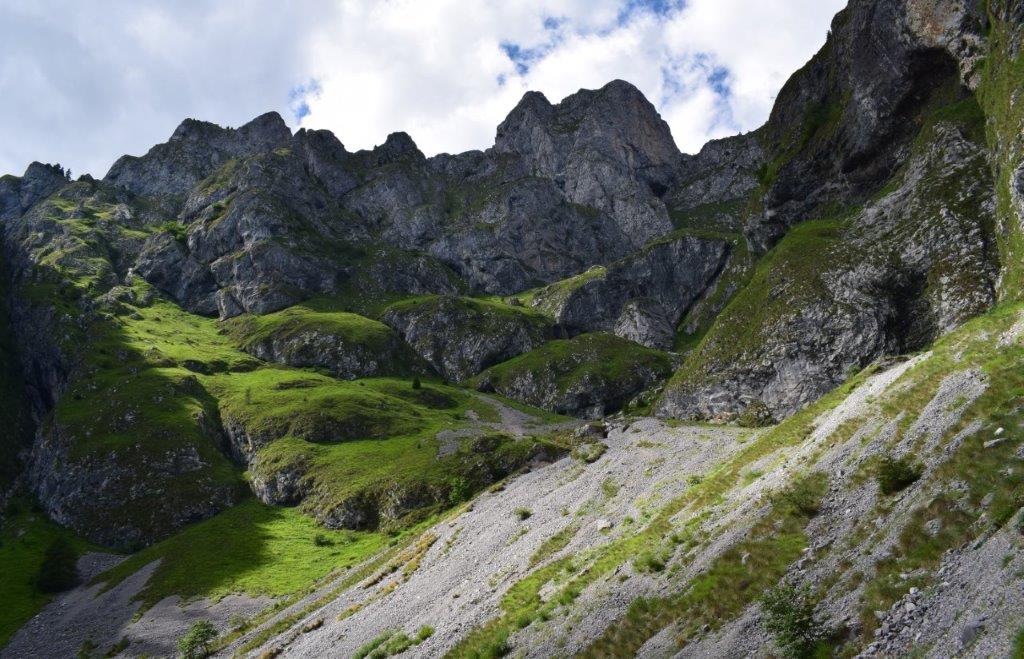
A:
(999, 94)
(640, 297)
(461, 336)
(313, 334)
(589, 375)
(837, 293)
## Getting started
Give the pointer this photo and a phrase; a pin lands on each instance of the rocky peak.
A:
(608, 148)
(38, 182)
(193, 152)
(526, 128)
(397, 146)
(196, 130)
(620, 111)
(264, 133)
(325, 157)
(587, 119)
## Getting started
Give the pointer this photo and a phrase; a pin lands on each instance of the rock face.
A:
(878, 208)
(590, 375)
(641, 297)
(195, 150)
(347, 345)
(839, 128)
(607, 148)
(273, 217)
(882, 282)
(460, 337)
(718, 180)
(881, 138)
(88, 493)
(39, 181)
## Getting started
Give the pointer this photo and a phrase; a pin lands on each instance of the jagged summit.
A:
(194, 151)
(397, 145)
(303, 357)
(268, 128)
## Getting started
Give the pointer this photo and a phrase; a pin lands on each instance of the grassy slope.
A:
(730, 583)
(151, 372)
(975, 345)
(252, 548)
(999, 96)
(141, 397)
(784, 280)
(350, 437)
(547, 299)
(788, 278)
(480, 305)
(587, 355)
(564, 364)
(349, 331)
(661, 531)
(982, 470)
(24, 537)
(248, 329)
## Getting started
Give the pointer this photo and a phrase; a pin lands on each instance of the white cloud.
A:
(83, 83)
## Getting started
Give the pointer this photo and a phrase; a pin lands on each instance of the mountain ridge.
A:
(247, 319)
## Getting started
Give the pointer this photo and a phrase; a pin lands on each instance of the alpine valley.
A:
(577, 394)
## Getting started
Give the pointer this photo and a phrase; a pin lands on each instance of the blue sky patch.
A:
(656, 7)
(554, 22)
(297, 96)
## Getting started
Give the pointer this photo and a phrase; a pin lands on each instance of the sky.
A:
(83, 82)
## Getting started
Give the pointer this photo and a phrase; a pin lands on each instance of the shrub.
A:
(196, 642)
(322, 540)
(416, 384)
(789, 617)
(523, 513)
(119, 647)
(650, 561)
(392, 642)
(1018, 645)
(589, 452)
(895, 474)
(757, 415)
(86, 649)
(58, 571)
(459, 490)
(176, 229)
(804, 496)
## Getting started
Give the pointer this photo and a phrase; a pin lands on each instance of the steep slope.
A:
(132, 442)
(248, 312)
(905, 242)
(837, 293)
(664, 545)
(14, 411)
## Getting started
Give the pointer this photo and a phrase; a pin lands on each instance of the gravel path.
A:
(511, 421)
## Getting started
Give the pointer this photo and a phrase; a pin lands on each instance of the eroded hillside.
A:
(340, 403)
